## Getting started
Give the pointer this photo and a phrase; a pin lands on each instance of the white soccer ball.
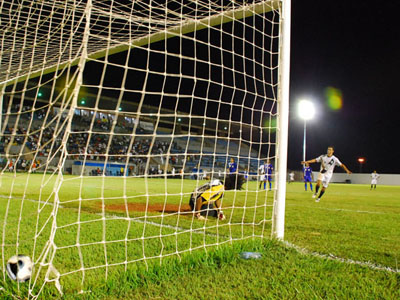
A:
(19, 268)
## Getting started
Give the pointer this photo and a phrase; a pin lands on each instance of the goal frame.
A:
(283, 90)
(87, 53)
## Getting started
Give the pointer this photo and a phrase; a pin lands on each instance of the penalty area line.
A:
(176, 228)
(344, 209)
(367, 264)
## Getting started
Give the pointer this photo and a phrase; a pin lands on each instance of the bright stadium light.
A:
(306, 111)
(361, 161)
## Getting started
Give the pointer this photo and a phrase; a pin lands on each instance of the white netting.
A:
(114, 112)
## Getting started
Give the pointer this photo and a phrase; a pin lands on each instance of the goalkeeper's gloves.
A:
(199, 216)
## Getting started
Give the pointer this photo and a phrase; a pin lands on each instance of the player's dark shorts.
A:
(207, 208)
(307, 179)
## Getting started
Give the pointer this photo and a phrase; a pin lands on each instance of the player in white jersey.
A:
(328, 162)
(374, 179)
(291, 177)
(262, 168)
(265, 171)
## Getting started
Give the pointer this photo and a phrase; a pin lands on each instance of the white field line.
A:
(367, 264)
(303, 251)
(345, 210)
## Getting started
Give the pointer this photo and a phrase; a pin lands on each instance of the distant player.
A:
(291, 177)
(10, 166)
(261, 170)
(307, 176)
(232, 166)
(374, 179)
(206, 199)
(195, 172)
(270, 169)
(328, 162)
(266, 170)
(34, 166)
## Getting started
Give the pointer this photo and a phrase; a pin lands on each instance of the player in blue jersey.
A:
(270, 170)
(308, 176)
(266, 170)
(232, 166)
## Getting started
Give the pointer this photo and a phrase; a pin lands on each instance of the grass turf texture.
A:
(350, 222)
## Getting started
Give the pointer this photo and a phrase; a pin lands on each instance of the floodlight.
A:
(306, 110)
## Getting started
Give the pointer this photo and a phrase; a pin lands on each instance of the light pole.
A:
(306, 111)
(361, 160)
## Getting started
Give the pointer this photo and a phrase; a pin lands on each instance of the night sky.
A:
(351, 46)
(348, 47)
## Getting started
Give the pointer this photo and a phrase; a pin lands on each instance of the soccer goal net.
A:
(135, 131)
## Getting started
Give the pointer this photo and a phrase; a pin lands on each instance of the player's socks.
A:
(265, 185)
(316, 189)
(320, 194)
(311, 187)
(305, 186)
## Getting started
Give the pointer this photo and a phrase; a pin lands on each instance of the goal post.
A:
(278, 229)
(136, 131)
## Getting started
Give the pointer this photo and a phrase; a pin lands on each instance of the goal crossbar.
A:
(186, 27)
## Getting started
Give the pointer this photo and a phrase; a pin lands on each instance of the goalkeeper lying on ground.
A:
(205, 197)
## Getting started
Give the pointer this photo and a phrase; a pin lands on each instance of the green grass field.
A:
(101, 241)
